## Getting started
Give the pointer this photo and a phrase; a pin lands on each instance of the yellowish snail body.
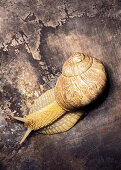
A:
(82, 80)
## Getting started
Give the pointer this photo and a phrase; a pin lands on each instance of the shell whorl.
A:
(83, 78)
(76, 65)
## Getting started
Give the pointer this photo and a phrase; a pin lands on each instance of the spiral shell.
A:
(83, 78)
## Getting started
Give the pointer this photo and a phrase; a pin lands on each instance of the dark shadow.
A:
(2, 167)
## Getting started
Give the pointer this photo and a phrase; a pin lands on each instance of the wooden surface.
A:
(36, 37)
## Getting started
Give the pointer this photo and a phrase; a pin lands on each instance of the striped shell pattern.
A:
(83, 78)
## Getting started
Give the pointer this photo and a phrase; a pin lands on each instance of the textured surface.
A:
(62, 124)
(82, 80)
(36, 37)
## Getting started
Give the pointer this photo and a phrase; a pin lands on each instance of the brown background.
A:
(36, 37)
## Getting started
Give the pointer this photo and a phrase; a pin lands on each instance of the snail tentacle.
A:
(22, 119)
(25, 135)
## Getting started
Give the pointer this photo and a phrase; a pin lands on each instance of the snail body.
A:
(82, 80)
(63, 123)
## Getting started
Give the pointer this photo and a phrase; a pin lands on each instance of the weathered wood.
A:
(36, 38)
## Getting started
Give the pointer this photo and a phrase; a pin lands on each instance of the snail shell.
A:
(83, 78)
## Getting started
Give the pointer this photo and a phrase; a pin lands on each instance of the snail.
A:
(82, 80)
